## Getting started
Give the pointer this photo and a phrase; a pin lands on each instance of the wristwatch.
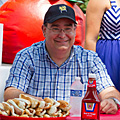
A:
(117, 102)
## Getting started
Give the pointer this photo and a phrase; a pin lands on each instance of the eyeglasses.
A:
(58, 30)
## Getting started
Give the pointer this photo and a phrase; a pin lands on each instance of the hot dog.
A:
(18, 110)
(34, 102)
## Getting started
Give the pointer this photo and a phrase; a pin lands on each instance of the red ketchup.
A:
(90, 102)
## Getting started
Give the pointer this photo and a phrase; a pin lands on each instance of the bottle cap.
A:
(92, 75)
(77, 78)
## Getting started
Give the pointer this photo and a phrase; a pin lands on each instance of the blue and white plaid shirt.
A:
(34, 72)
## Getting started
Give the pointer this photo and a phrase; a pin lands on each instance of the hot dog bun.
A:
(27, 102)
(18, 110)
(34, 102)
(65, 106)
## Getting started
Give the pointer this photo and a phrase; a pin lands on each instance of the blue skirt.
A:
(109, 52)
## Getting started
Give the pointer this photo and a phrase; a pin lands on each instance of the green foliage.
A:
(83, 5)
(76, 1)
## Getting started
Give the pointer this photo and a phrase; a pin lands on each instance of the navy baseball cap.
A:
(58, 11)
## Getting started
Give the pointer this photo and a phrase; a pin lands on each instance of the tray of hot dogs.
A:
(3, 117)
(28, 108)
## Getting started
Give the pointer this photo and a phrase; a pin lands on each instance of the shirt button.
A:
(58, 87)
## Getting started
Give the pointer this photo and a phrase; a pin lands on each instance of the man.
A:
(48, 68)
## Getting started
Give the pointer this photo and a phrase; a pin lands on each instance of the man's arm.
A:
(11, 93)
(108, 105)
(109, 93)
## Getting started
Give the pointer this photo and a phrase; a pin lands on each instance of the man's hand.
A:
(11, 93)
(108, 106)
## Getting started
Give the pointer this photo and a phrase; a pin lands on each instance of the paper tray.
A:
(3, 117)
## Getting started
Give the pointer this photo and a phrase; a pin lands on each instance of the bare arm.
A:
(108, 105)
(109, 93)
(94, 14)
(12, 92)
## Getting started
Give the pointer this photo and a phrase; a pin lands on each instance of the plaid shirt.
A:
(35, 73)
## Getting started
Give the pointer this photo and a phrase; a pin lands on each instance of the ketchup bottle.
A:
(90, 102)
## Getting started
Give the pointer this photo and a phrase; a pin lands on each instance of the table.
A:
(102, 117)
(110, 117)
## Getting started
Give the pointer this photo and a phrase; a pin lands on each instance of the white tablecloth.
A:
(4, 73)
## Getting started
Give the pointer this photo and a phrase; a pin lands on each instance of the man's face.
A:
(57, 39)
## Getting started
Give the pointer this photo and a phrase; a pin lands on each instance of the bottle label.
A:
(76, 93)
(92, 83)
(90, 110)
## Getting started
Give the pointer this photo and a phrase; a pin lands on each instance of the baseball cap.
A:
(58, 11)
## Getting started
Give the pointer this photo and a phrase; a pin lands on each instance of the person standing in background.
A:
(103, 19)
